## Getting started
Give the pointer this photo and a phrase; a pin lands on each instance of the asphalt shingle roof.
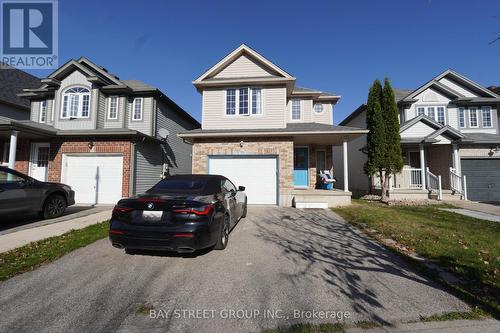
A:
(12, 82)
(291, 127)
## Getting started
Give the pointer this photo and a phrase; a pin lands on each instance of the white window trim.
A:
(250, 102)
(109, 107)
(444, 114)
(235, 102)
(482, 119)
(261, 102)
(40, 113)
(464, 117)
(133, 108)
(416, 111)
(426, 111)
(291, 110)
(80, 104)
(322, 108)
(477, 119)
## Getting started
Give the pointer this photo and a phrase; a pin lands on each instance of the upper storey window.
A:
(486, 116)
(318, 107)
(244, 101)
(296, 109)
(461, 117)
(473, 117)
(43, 111)
(113, 107)
(137, 109)
(438, 113)
(76, 103)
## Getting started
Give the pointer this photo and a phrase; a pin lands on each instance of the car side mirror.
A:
(241, 188)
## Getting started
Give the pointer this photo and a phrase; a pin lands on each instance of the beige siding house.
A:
(265, 133)
(450, 138)
(107, 138)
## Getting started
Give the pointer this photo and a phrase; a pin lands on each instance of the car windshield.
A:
(179, 185)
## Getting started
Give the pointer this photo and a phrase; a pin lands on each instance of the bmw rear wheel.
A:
(224, 235)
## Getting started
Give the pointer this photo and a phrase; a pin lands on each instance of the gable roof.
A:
(12, 82)
(434, 82)
(231, 57)
(404, 96)
(108, 82)
(439, 129)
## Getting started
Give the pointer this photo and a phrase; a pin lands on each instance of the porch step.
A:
(322, 205)
(312, 198)
(451, 195)
(447, 195)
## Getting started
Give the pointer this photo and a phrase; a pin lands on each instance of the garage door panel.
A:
(257, 174)
(94, 178)
(483, 179)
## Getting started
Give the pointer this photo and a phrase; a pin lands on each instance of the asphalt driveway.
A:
(280, 260)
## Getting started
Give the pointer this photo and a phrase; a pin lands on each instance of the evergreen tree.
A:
(375, 140)
(394, 157)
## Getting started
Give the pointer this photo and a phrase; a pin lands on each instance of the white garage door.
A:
(94, 178)
(258, 174)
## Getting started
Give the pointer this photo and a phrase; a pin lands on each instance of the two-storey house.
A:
(263, 132)
(450, 139)
(107, 138)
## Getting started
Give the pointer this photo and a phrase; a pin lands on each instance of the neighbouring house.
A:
(495, 89)
(107, 138)
(12, 82)
(263, 132)
(450, 138)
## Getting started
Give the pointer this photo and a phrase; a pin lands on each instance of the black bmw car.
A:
(22, 194)
(181, 213)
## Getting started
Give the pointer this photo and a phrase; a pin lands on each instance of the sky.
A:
(334, 46)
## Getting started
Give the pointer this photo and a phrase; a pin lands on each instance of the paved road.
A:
(278, 259)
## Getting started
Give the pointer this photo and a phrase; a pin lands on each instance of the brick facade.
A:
(60, 147)
(283, 147)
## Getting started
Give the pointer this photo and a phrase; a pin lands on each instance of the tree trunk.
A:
(383, 187)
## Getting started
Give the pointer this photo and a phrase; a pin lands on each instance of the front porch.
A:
(430, 171)
(310, 158)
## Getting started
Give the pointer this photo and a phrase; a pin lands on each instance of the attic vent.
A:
(430, 97)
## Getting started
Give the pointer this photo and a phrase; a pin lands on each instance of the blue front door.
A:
(300, 167)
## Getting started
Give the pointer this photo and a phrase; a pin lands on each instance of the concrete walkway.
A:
(473, 213)
(488, 208)
(455, 326)
(20, 238)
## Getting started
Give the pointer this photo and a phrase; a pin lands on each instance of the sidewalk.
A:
(488, 208)
(454, 326)
(473, 213)
(19, 238)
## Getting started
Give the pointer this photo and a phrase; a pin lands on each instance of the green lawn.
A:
(467, 246)
(35, 254)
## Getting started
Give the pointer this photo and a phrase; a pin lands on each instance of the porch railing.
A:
(455, 181)
(434, 184)
(409, 178)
